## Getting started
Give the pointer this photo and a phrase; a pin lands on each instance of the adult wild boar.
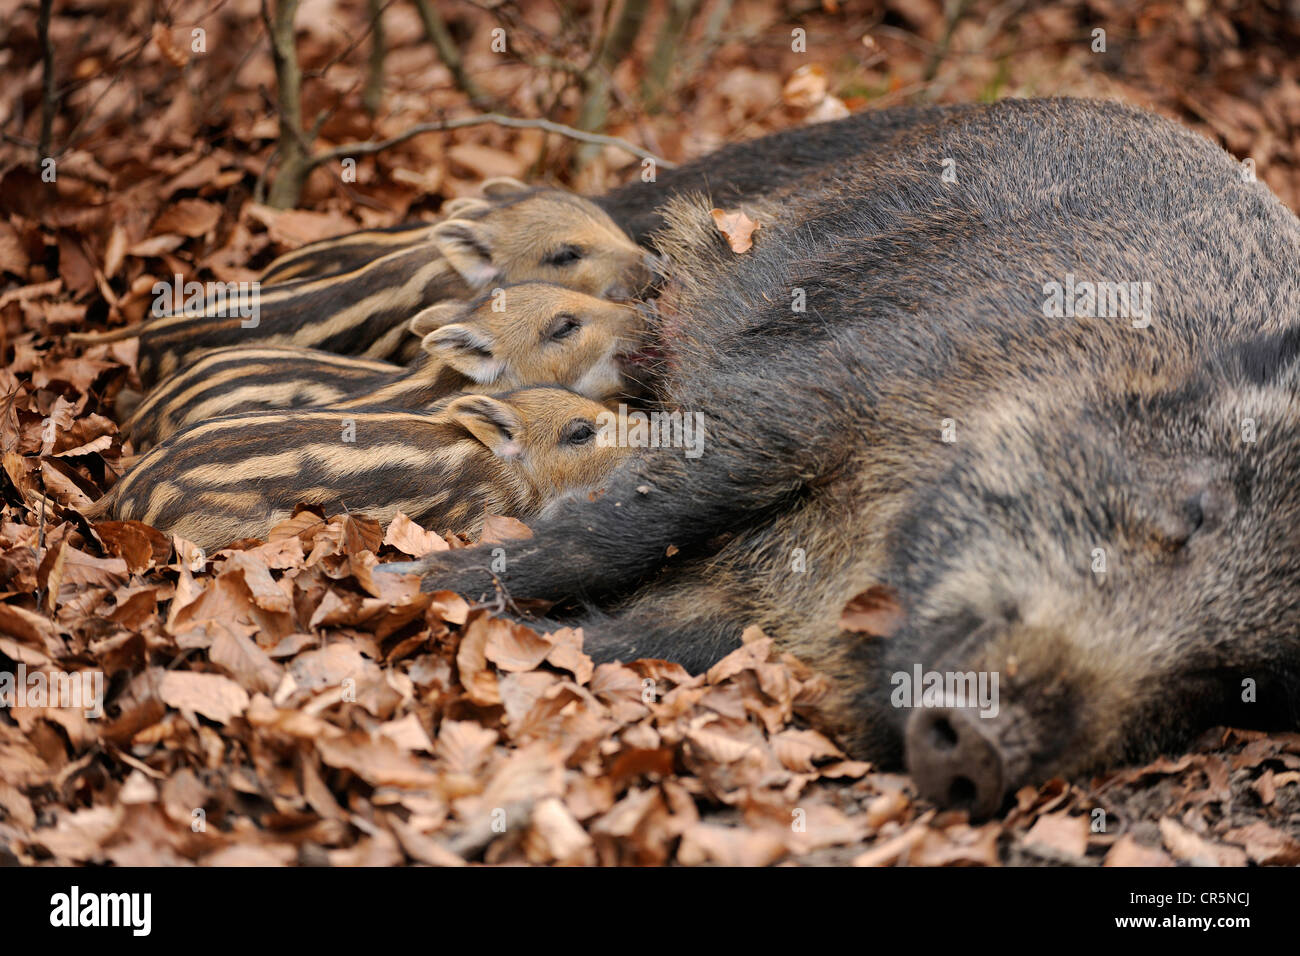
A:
(1042, 411)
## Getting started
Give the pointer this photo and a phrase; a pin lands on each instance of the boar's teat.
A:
(1193, 502)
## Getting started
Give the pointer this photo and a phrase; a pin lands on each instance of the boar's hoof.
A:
(954, 757)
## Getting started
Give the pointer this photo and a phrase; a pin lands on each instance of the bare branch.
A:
(665, 50)
(956, 9)
(596, 81)
(515, 122)
(294, 152)
(374, 91)
(295, 160)
(442, 41)
(48, 100)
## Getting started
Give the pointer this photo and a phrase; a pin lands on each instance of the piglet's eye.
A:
(565, 255)
(580, 431)
(563, 326)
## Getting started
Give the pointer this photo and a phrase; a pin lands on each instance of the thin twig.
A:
(956, 10)
(40, 543)
(616, 45)
(320, 72)
(47, 79)
(436, 29)
(295, 161)
(374, 91)
(75, 135)
(515, 122)
(671, 31)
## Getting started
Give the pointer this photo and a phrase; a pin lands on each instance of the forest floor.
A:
(278, 702)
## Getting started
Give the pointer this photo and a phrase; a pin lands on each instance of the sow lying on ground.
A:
(1092, 509)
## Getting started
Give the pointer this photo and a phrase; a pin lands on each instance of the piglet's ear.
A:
(467, 247)
(493, 422)
(435, 317)
(501, 187)
(466, 349)
(464, 206)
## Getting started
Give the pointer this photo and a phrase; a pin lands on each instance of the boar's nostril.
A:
(942, 735)
(955, 761)
(962, 793)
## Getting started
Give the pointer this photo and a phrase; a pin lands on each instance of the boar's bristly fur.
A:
(1102, 510)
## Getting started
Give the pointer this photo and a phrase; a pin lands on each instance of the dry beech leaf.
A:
(875, 612)
(556, 837)
(376, 760)
(514, 647)
(566, 653)
(172, 53)
(736, 227)
(234, 651)
(746, 657)
(729, 846)
(1127, 851)
(828, 109)
(156, 246)
(1188, 846)
(806, 87)
(198, 174)
(888, 806)
(409, 538)
(211, 695)
(477, 677)
(290, 228)
(497, 529)
(449, 606)
(29, 627)
(189, 217)
(407, 733)
(486, 162)
(798, 750)
(719, 744)
(890, 851)
(1059, 833)
(464, 745)
(1265, 845)
(957, 845)
(139, 545)
(13, 254)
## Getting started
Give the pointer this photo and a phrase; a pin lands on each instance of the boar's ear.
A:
(500, 187)
(453, 208)
(1272, 359)
(466, 349)
(435, 317)
(467, 247)
(494, 423)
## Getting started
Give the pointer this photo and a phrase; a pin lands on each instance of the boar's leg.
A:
(685, 617)
(755, 459)
(653, 506)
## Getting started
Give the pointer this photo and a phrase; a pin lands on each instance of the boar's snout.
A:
(962, 760)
